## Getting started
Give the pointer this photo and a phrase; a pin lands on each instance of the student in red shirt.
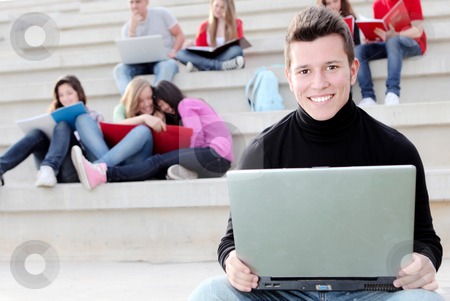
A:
(394, 45)
(221, 27)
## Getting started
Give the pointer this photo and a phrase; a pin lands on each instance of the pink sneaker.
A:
(90, 175)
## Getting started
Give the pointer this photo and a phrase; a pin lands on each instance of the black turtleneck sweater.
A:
(350, 138)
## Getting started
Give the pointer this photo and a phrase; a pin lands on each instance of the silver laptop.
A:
(324, 229)
(144, 49)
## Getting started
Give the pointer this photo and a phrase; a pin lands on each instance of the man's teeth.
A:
(320, 99)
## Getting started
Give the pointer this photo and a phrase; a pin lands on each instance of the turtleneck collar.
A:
(333, 129)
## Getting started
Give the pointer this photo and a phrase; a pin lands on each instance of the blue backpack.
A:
(262, 91)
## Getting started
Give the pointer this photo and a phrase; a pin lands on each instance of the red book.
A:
(397, 16)
(350, 20)
(175, 137)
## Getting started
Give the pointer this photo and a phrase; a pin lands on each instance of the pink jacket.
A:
(209, 129)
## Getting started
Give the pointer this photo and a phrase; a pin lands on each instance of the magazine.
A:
(47, 122)
(210, 52)
(397, 16)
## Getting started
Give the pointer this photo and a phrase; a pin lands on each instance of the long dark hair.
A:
(172, 95)
(71, 80)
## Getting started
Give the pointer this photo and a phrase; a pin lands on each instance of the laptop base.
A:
(327, 284)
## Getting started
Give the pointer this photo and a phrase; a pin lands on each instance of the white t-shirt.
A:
(159, 21)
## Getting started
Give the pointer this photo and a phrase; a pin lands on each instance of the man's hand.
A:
(419, 273)
(239, 274)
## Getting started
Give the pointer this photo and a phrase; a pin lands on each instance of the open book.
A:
(175, 137)
(350, 20)
(397, 16)
(47, 122)
(210, 52)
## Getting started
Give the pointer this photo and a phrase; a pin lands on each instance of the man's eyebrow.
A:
(325, 63)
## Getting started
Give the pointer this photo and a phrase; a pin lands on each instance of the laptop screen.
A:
(347, 222)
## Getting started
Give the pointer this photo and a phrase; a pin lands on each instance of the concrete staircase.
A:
(182, 221)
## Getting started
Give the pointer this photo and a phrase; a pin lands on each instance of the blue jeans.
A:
(204, 63)
(135, 147)
(219, 288)
(163, 70)
(205, 161)
(394, 49)
(53, 153)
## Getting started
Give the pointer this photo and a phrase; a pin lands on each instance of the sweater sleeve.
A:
(119, 113)
(240, 28)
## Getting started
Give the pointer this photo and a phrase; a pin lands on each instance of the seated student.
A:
(328, 129)
(51, 155)
(344, 8)
(135, 107)
(394, 46)
(210, 153)
(221, 26)
(151, 21)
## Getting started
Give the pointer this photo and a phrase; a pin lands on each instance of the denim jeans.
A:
(163, 70)
(219, 288)
(394, 49)
(53, 153)
(203, 63)
(135, 147)
(205, 161)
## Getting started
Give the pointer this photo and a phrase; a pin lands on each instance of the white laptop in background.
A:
(324, 229)
(146, 49)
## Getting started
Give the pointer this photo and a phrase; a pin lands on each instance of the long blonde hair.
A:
(130, 98)
(230, 22)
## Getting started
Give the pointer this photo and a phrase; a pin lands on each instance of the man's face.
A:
(320, 76)
(139, 6)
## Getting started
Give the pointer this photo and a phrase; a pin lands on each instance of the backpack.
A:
(262, 91)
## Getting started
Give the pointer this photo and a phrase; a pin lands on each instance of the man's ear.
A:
(354, 71)
(287, 73)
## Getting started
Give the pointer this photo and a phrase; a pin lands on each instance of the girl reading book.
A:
(345, 9)
(135, 108)
(51, 155)
(221, 27)
(210, 153)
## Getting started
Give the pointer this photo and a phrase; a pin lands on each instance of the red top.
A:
(381, 8)
(203, 29)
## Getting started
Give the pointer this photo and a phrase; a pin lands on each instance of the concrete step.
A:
(225, 91)
(118, 281)
(154, 221)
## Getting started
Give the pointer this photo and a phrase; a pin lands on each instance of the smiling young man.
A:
(328, 129)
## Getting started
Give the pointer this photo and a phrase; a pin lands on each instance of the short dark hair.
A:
(316, 22)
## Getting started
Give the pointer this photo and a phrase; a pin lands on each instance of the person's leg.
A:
(59, 146)
(123, 74)
(142, 171)
(67, 172)
(398, 48)
(230, 53)
(165, 70)
(35, 142)
(219, 289)
(91, 137)
(135, 147)
(204, 161)
(366, 53)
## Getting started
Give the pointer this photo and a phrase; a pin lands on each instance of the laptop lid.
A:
(345, 228)
(145, 49)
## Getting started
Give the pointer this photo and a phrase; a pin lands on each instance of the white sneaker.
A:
(46, 177)
(190, 67)
(367, 102)
(178, 172)
(236, 63)
(391, 99)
